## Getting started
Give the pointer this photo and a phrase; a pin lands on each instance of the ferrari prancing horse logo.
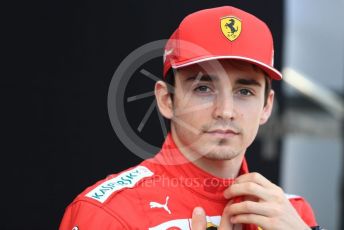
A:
(231, 27)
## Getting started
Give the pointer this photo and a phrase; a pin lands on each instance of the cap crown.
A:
(221, 33)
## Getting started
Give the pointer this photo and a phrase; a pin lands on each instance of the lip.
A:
(222, 133)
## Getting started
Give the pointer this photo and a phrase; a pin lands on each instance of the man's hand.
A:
(263, 204)
(199, 221)
(269, 208)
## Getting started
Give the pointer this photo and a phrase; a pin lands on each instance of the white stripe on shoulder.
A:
(291, 196)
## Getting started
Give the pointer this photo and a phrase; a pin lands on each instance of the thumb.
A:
(198, 221)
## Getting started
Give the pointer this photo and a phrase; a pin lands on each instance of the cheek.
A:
(251, 107)
(193, 112)
(193, 105)
(194, 115)
(250, 114)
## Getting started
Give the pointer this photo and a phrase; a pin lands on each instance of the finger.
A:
(225, 223)
(251, 207)
(247, 189)
(198, 221)
(256, 178)
(262, 221)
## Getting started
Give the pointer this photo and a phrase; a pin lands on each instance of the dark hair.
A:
(170, 81)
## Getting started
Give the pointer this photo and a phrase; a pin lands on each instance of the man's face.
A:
(217, 113)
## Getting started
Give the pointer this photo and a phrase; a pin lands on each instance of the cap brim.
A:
(271, 72)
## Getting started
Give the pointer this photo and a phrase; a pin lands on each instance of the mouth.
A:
(223, 133)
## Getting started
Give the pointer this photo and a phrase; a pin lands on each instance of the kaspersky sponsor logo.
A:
(126, 179)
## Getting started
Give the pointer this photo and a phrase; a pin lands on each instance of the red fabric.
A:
(305, 210)
(141, 206)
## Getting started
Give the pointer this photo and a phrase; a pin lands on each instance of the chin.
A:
(221, 153)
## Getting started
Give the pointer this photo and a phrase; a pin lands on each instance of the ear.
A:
(163, 99)
(267, 108)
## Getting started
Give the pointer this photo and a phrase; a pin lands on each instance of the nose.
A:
(224, 106)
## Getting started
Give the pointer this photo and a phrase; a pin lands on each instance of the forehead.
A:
(230, 68)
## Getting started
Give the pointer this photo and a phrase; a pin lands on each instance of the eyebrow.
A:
(243, 81)
(211, 78)
(203, 77)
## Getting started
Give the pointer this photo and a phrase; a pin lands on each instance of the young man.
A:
(219, 63)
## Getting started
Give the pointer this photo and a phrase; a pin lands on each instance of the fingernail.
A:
(198, 211)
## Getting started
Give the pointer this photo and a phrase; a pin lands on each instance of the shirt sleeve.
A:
(83, 215)
(305, 211)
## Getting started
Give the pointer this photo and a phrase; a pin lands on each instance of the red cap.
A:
(221, 33)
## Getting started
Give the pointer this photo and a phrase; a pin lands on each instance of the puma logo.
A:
(153, 204)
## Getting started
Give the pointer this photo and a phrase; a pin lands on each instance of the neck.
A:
(220, 168)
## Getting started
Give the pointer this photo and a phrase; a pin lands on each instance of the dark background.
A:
(60, 58)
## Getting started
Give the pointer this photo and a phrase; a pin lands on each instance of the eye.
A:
(245, 92)
(202, 89)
